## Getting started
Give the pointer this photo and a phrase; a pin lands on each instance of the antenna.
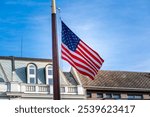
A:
(21, 45)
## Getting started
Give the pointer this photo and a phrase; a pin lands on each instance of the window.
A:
(112, 96)
(32, 80)
(135, 97)
(89, 95)
(99, 95)
(31, 73)
(49, 74)
(138, 97)
(130, 96)
(108, 95)
(116, 96)
(50, 81)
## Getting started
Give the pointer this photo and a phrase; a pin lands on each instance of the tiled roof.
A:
(117, 79)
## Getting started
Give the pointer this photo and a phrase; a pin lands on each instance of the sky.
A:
(119, 30)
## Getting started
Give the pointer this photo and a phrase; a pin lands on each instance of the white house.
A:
(31, 78)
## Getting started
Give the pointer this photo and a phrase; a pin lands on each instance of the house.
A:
(31, 78)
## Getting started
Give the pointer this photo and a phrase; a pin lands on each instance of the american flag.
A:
(73, 50)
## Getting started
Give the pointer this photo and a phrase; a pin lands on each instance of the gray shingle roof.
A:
(20, 66)
(70, 78)
(26, 59)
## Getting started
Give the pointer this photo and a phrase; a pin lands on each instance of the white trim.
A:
(48, 67)
(63, 77)
(31, 75)
(73, 71)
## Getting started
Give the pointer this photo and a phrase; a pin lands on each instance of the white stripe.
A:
(84, 70)
(92, 59)
(78, 68)
(88, 59)
(72, 52)
(95, 70)
(91, 51)
(79, 62)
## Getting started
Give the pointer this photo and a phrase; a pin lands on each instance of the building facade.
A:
(116, 85)
(32, 78)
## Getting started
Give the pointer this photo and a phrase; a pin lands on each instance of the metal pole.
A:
(56, 85)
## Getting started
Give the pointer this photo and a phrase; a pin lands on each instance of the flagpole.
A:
(56, 85)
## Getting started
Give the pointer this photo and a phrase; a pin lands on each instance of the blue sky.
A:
(119, 30)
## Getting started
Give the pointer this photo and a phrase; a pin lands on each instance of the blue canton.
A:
(69, 38)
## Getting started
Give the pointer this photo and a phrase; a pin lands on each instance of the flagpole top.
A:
(53, 6)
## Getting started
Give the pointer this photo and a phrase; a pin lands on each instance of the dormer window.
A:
(49, 74)
(31, 73)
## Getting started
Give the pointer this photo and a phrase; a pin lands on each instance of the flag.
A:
(78, 54)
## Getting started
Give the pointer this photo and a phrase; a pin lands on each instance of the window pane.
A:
(32, 80)
(32, 66)
(116, 96)
(138, 97)
(50, 81)
(99, 95)
(108, 95)
(89, 95)
(50, 67)
(130, 96)
(134, 96)
(50, 72)
(32, 71)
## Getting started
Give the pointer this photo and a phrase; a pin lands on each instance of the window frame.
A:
(112, 96)
(89, 95)
(49, 67)
(98, 94)
(134, 96)
(116, 98)
(106, 95)
(29, 76)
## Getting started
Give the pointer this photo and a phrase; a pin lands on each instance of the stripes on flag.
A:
(78, 54)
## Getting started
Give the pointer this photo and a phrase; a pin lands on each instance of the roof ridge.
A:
(25, 58)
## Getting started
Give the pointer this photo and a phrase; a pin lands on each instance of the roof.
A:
(25, 58)
(117, 80)
(19, 67)
(70, 78)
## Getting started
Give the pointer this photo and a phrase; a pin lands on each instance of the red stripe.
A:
(87, 54)
(79, 65)
(78, 69)
(79, 59)
(93, 51)
(91, 54)
(87, 58)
